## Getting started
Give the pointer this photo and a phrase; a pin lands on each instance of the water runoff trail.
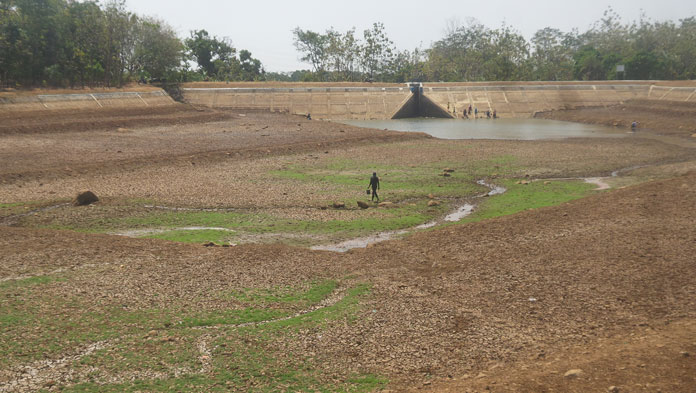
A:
(458, 214)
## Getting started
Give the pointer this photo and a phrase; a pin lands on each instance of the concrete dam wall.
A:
(122, 99)
(436, 100)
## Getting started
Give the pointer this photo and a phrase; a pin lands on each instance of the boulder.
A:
(85, 197)
(574, 373)
(433, 203)
(363, 205)
(338, 205)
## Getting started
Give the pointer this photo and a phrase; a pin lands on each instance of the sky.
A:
(265, 27)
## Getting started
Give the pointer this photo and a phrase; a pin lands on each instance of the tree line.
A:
(474, 52)
(68, 43)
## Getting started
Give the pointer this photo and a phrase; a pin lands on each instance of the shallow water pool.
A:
(519, 129)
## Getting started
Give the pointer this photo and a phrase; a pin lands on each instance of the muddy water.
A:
(518, 129)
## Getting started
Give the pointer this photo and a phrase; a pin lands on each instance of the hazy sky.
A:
(265, 27)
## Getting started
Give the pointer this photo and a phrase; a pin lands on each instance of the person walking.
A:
(374, 184)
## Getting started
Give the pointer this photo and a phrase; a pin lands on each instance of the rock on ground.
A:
(85, 197)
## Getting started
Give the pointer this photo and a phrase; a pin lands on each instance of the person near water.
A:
(476, 112)
(309, 117)
(488, 114)
(469, 108)
(634, 125)
(374, 184)
(495, 114)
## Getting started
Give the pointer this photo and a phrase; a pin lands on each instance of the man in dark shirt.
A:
(374, 184)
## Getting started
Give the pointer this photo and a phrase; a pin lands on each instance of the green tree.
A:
(313, 48)
(508, 58)
(589, 64)
(13, 42)
(158, 51)
(215, 57)
(642, 65)
(377, 51)
(552, 58)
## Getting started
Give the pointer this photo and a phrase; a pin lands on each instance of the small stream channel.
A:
(458, 214)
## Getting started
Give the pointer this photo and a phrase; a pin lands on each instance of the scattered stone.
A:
(385, 204)
(338, 205)
(547, 182)
(574, 373)
(433, 203)
(209, 244)
(684, 354)
(450, 170)
(446, 174)
(85, 197)
(525, 182)
(426, 383)
(613, 389)
(363, 205)
(431, 196)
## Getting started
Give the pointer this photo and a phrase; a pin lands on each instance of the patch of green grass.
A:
(232, 317)
(287, 295)
(9, 209)
(520, 197)
(397, 217)
(344, 308)
(243, 358)
(29, 281)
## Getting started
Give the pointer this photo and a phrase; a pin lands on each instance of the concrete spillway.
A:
(434, 100)
(419, 105)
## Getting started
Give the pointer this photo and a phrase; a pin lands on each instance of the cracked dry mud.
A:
(613, 274)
